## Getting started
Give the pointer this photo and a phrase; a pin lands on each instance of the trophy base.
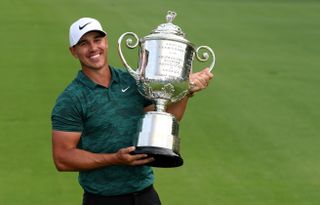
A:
(163, 157)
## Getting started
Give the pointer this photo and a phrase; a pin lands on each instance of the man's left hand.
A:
(200, 80)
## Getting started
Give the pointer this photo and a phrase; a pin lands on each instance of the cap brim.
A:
(99, 31)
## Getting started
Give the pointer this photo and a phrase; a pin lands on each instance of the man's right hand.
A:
(124, 157)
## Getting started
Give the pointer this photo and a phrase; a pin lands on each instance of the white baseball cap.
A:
(83, 26)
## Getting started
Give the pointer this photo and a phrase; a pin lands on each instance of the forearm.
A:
(77, 160)
(178, 108)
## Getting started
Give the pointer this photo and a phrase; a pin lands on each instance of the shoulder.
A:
(67, 112)
(67, 105)
(120, 72)
(71, 91)
(72, 95)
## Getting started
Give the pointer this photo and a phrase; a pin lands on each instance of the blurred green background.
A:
(251, 138)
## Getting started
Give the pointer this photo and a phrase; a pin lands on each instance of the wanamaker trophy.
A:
(165, 62)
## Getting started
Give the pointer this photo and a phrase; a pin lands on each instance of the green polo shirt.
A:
(107, 119)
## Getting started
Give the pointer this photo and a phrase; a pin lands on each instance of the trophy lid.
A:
(169, 27)
(168, 31)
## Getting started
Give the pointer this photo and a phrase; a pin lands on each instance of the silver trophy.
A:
(165, 62)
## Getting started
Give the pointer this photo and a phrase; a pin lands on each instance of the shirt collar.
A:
(114, 75)
(89, 83)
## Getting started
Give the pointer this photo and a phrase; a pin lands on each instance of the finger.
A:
(129, 159)
(209, 75)
(127, 150)
(203, 80)
(200, 83)
(143, 161)
(138, 157)
(193, 86)
(207, 72)
(197, 85)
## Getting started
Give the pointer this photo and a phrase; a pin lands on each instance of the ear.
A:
(107, 43)
(73, 51)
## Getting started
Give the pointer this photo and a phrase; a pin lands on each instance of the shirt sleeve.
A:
(66, 115)
(147, 102)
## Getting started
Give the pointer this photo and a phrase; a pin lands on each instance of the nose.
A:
(93, 46)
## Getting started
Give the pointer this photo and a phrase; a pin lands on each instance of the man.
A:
(95, 118)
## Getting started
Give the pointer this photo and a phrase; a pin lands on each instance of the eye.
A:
(82, 43)
(98, 39)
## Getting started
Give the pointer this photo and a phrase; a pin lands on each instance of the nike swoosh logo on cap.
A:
(81, 27)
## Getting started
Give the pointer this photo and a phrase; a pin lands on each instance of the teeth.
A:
(95, 56)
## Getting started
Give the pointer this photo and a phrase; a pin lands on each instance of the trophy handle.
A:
(130, 45)
(205, 56)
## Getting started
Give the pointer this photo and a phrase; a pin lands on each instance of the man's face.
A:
(91, 50)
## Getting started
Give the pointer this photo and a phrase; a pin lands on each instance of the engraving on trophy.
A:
(166, 61)
(171, 59)
(156, 90)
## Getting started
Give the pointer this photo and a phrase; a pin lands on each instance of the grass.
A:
(250, 138)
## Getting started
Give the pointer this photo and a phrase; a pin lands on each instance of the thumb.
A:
(207, 71)
(129, 149)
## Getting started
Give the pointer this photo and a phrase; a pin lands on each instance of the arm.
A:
(67, 157)
(178, 108)
(199, 81)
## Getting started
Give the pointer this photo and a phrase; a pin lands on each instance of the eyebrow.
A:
(98, 35)
(81, 41)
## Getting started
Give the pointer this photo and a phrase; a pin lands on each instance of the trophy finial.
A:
(169, 27)
(170, 16)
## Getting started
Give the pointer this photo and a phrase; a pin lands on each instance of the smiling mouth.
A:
(95, 56)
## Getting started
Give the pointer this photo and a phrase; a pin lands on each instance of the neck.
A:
(101, 76)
